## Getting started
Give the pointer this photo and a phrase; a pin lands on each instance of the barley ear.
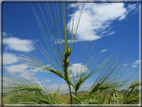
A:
(77, 85)
(104, 87)
(67, 53)
(31, 88)
(114, 97)
(95, 88)
(134, 85)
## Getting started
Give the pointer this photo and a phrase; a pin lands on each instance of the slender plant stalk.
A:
(70, 94)
(67, 53)
(75, 92)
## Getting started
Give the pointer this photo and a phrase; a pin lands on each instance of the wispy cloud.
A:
(77, 69)
(103, 50)
(136, 63)
(62, 41)
(9, 58)
(132, 7)
(97, 18)
(17, 68)
(22, 70)
(111, 33)
(134, 66)
(14, 43)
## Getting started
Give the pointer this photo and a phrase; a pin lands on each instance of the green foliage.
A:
(24, 91)
(104, 97)
(93, 101)
(77, 99)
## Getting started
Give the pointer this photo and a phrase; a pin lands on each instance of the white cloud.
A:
(22, 70)
(136, 63)
(16, 68)
(77, 69)
(122, 17)
(9, 58)
(111, 33)
(104, 50)
(62, 41)
(18, 44)
(97, 18)
(134, 66)
(131, 7)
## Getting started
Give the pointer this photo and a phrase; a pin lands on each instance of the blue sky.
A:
(112, 28)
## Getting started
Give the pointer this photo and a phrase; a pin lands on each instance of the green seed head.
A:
(134, 85)
(67, 53)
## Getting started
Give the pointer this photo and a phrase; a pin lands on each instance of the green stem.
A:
(76, 93)
(70, 94)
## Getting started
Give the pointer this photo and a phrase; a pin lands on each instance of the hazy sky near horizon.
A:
(109, 28)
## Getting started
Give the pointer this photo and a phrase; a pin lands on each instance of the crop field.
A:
(85, 98)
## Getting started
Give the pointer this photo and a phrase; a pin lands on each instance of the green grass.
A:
(85, 98)
(23, 91)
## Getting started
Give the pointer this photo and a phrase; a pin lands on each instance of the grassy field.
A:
(84, 97)
(96, 97)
